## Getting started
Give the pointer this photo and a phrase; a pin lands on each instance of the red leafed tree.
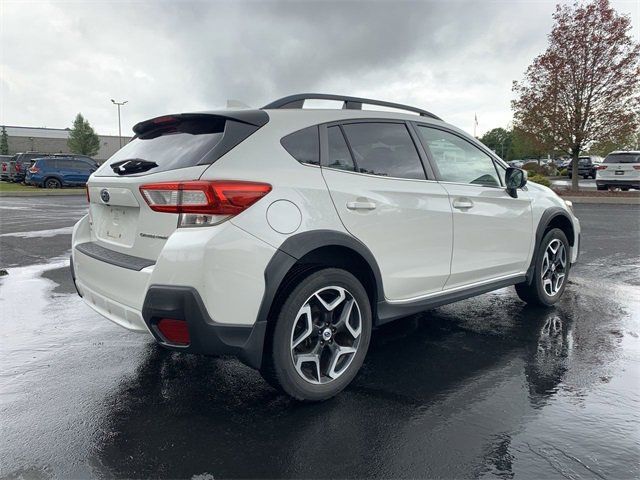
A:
(585, 88)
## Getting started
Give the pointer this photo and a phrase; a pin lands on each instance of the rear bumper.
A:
(206, 336)
(601, 182)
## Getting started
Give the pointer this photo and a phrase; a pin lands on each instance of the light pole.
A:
(119, 104)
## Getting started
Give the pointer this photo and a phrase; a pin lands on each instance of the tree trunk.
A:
(575, 178)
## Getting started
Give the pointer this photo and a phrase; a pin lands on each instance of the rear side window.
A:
(623, 158)
(338, 151)
(303, 145)
(83, 166)
(384, 149)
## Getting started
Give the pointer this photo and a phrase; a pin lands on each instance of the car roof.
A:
(632, 152)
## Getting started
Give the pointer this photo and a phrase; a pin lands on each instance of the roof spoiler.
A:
(256, 118)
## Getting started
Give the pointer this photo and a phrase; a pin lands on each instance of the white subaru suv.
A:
(620, 169)
(283, 235)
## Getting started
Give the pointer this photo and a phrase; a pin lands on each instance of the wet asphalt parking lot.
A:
(484, 388)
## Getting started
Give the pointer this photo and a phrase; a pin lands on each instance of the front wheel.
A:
(321, 336)
(551, 271)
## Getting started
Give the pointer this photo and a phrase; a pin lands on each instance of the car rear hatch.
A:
(623, 167)
(174, 148)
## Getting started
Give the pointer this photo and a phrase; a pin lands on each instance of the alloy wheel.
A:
(554, 267)
(325, 335)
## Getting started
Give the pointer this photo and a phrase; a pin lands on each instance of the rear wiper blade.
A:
(132, 165)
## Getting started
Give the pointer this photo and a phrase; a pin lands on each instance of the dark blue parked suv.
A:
(58, 172)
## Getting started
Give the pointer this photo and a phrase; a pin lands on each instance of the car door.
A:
(493, 232)
(382, 194)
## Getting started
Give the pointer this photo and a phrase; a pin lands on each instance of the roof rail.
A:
(349, 103)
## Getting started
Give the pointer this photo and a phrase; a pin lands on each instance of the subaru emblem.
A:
(104, 195)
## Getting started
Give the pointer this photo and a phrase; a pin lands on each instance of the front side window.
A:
(458, 160)
(384, 149)
(303, 145)
(338, 153)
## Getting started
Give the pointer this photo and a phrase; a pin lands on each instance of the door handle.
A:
(462, 203)
(361, 205)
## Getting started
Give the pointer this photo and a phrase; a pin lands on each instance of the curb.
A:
(603, 200)
(44, 193)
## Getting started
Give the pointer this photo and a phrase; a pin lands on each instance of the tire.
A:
(546, 288)
(624, 189)
(602, 187)
(52, 183)
(304, 311)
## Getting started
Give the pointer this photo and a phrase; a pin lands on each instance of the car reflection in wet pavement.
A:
(487, 387)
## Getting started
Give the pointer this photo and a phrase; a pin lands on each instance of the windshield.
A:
(623, 158)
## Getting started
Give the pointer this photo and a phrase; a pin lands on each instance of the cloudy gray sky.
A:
(455, 58)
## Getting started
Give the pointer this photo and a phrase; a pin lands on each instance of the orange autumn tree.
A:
(584, 88)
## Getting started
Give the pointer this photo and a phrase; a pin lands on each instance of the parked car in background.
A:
(586, 166)
(19, 164)
(620, 169)
(4, 167)
(60, 171)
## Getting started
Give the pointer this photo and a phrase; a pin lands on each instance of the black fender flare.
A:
(297, 246)
(547, 217)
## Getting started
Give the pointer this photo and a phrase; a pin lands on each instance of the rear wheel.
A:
(601, 187)
(52, 183)
(551, 271)
(321, 336)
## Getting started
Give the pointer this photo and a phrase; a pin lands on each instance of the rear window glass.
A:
(176, 145)
(623, 158)
(303, 145)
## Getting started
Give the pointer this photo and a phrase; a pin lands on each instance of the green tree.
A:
(82, 138)
(4, 142)
(500, 141)
(526, 145)
(583, 89)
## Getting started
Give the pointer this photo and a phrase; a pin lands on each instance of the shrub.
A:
(534, 168)
(540, 180)
(564, 172)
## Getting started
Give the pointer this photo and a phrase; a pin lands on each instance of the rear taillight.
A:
(4, 167)
(636, 167)
(202, 203)
(601, 167)
(86, 190)
(34, 169)
(174, 331)
(17, 167)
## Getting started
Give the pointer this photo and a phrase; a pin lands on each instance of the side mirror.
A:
(515, 178)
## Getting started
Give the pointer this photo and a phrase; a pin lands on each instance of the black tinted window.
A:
(339, 156)
(623, 158)
(384, 149)
(303, 145)
(82, 166)
(66, 164)
(180, 144)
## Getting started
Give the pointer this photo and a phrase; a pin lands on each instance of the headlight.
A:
(569, 204)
